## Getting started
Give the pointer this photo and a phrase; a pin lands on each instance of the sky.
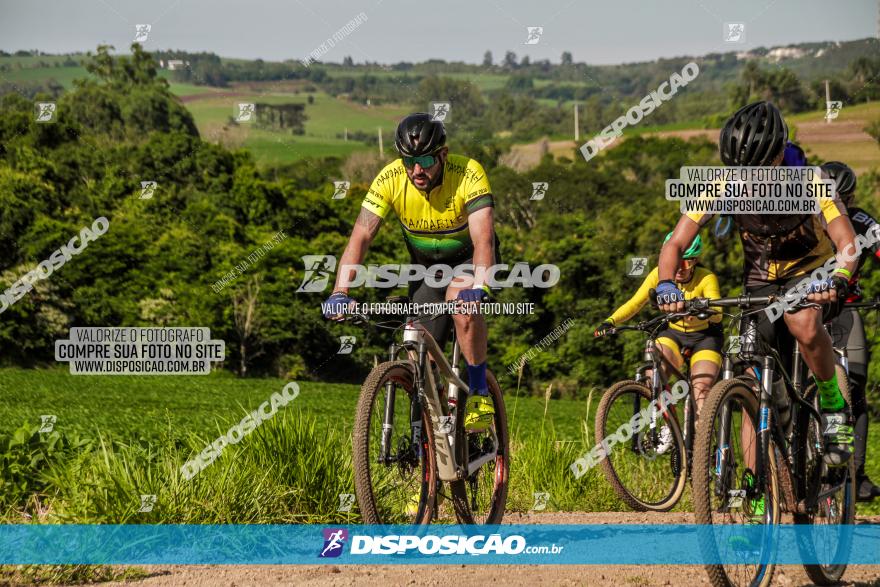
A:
(606, 32)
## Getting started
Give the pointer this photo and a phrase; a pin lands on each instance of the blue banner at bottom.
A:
(506, 544)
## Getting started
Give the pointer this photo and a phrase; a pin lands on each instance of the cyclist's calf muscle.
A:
(815, 343)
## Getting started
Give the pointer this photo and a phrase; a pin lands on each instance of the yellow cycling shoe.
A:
(479, 413)
(412, 505)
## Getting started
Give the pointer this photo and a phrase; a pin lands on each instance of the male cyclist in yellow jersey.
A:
(704, 338)
(445, 208)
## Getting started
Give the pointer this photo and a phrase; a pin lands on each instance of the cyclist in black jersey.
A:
(848, 330)
(779, 251)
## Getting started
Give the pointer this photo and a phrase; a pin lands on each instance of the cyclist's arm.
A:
(479, 204)
(376, 204)
(844, 237)
(635, 303)
(670, 255)
(482, 231)
(365, 229)
(712, 291)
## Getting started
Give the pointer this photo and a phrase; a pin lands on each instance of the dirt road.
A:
(525, 576)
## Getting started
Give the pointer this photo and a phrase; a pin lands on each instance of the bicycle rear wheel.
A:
(397, 484)
(725, 488)
(482, 496)
(649, 470)
(836, 503)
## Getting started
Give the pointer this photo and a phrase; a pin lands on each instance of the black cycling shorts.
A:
(421, 293)
(776, 333)
(704, 345)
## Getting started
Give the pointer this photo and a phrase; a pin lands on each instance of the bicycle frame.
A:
(801, 497)
(419, 345)
(654, 358)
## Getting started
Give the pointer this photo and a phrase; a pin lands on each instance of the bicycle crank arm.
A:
(807, 506)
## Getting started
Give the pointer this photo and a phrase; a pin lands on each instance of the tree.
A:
(566, 58)
(487, 59)
(865, 72)
(873, 129)
(525, 61)
(510, 60)
(780, 86)
(246, 317)
(347, 61)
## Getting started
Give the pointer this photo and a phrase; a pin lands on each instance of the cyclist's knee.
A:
(805, 325)
(466, 322)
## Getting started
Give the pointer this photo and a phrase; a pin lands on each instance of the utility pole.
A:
(381, 150)
(827, 101)
(577, 132)
(345, 134)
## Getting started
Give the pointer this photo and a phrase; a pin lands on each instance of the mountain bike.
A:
(649, 471)
(758, 453)
(409, 436)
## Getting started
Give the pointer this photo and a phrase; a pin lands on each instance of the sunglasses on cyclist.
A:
(425, 161)
(687, 263)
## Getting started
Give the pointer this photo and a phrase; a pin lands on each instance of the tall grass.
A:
(289, 470)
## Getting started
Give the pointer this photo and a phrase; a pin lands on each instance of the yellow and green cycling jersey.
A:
(435, 224)
(703, 284)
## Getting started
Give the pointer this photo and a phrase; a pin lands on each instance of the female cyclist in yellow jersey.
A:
(704, 338)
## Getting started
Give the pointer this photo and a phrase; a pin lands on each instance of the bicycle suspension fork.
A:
(763, 432)
(722, 443)
(388, 421)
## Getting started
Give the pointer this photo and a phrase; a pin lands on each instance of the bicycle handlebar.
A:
(696, 306)
(871, 305)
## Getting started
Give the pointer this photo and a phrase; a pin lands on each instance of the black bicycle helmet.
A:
(418, 134)
(755, 135)
(843, 176)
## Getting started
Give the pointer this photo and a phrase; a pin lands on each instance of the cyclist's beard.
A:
(432, 183)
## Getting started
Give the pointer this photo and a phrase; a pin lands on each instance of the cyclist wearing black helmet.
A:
(445, 208)
(779, 251)
(848, 330)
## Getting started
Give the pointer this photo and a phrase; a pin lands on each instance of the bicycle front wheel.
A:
(481, 497)
(394, 461)
(727, 487)
(646, 467)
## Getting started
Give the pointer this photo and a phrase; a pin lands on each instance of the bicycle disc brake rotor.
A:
(407, 459)
(645, 446)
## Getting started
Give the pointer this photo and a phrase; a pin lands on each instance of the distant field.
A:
(63, 75)
(842, 139)
(327, 118)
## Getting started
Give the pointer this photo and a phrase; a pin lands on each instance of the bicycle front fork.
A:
(725, 464)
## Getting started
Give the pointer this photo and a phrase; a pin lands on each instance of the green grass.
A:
(134, 407)
(269, 147)
(290, 469)
(67, 574)
(327, 117)
(63, 75)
